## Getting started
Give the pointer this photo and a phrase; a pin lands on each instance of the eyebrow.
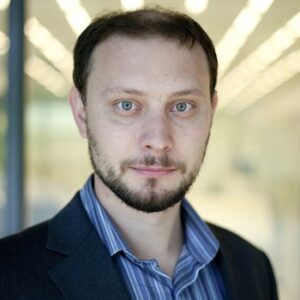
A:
(196, 92)
(112, 90)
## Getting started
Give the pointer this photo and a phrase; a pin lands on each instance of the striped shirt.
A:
(196, 275)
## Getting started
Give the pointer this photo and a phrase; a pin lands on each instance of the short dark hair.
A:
(145, 22)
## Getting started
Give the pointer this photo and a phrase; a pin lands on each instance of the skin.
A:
(146, 98)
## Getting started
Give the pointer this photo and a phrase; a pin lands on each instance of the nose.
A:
(157, 135)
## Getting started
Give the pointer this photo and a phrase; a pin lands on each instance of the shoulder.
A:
(232, 240)
(243, 253)
(245, 262)
(236, 247)
(24, 264)
(32, 234)
(24, 247)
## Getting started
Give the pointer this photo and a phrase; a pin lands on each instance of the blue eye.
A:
(126, 105)
(182, 107)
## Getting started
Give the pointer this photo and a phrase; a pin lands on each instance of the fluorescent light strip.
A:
(236, 36)
(195, 6)
(50, 47)
(131, 4)
(242, 75)
(4, 43)
(76, 14)
(47, 76)
(277, 74)
(39, 70)
(4, 4)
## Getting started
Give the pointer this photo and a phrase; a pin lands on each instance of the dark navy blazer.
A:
(64, 259)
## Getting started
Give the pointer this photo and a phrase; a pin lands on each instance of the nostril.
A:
(157, 136)
(159, 146)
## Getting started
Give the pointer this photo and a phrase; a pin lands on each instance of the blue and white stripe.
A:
(196, 274)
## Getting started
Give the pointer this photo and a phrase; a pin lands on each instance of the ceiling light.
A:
(132, 4)
(238, 33)
(47, 76)
(195, 6)
(4, 43)
(4, 4)
(50, 47)
(242, 75)
(76, 14)
(277, 74)
(260, 6)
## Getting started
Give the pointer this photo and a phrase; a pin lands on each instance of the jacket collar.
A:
(226, 262)
(86, 270)
(243, 268)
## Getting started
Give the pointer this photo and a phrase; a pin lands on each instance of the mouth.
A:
(154, 171)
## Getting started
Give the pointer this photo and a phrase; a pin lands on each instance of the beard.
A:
(148, 198)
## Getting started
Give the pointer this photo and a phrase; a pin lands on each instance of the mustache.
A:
(150, 160)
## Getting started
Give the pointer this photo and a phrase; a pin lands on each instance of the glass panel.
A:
(57, 162)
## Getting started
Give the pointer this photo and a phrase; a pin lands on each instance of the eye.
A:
(126, 105)
(182, 107)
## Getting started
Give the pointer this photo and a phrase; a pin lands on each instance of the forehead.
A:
(144, 48)
(151, 59)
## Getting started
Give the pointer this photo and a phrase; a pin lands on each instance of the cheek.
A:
(102, 127)
(194, 132)
(191, 140)
(119, 141)
(195, 127)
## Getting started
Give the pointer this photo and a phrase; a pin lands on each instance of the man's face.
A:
(147, 118)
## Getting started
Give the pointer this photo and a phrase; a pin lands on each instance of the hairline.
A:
(189, 44)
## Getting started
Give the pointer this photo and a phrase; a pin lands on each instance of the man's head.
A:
(145, 100)
(141, 24)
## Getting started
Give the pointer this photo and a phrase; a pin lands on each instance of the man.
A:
(144, 98)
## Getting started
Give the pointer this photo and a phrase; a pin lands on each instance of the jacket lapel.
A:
(85, 271)
(231, 280)
(242, 268)
(229, 269)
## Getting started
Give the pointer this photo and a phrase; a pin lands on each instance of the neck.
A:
(148, 235)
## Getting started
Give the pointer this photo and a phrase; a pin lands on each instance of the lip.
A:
(153, 171)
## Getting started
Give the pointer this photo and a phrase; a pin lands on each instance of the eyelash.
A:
(136, 107)
(189, 105)
(119, 105)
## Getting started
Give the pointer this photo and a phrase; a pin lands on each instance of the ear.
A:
(79, 111)
(214, 102)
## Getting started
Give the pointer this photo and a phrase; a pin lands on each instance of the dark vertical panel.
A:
(15, 112)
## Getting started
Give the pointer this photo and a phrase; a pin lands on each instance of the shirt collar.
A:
(199, 240)
(101, 219)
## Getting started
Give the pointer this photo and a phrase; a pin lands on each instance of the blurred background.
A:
(249, 182)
